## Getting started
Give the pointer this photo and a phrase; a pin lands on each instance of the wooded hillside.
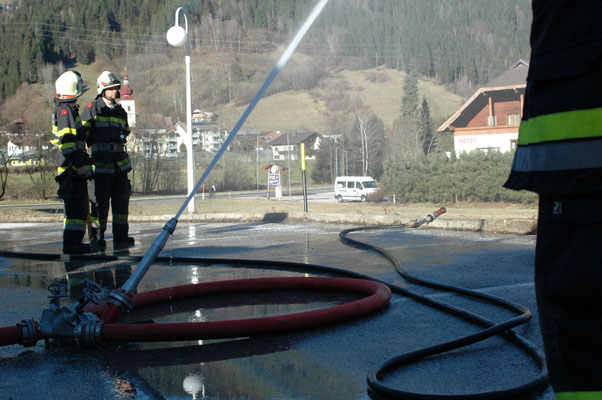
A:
(459, 43)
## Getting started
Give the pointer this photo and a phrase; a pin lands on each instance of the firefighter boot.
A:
(123, 241)
(76, 248)
(97, 239)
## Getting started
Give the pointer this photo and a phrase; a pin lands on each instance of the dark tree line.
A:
(457, 42)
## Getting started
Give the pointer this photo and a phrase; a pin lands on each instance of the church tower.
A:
(127, 101)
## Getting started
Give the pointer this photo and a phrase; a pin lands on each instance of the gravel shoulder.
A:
(490, 217)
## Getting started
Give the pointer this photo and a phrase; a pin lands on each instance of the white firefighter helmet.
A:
(69, 85)
(107, 80)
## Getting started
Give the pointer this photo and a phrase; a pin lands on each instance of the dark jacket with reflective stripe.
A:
(560, 137)
(69, 135)
(107, 125)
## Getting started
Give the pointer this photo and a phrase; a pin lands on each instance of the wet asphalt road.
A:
(325, 363)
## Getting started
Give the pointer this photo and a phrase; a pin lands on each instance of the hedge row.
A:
(474, 177)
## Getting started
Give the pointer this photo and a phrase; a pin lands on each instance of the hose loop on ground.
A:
(376, 386)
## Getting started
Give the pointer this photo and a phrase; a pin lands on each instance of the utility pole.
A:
(288, 149)
(257, 164)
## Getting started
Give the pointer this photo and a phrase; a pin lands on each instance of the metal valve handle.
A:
(57, 290)
(92, 292)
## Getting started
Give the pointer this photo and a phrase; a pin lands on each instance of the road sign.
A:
(273, 179)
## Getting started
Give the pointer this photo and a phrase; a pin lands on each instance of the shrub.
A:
(472, 177)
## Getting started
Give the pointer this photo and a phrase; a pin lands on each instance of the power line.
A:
(363, 45)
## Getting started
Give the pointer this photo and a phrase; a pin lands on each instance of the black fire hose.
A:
(375, 387)
(491, 329)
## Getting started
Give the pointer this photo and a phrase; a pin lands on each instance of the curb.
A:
(509, 225)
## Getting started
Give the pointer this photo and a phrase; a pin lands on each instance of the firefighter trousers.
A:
(568, 285)
(110, 191)
(74, 193)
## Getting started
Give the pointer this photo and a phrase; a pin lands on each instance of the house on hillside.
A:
(155, 136)
(204, 116)
(489, 120)
(288, 145)
(205, 136)
(22, 148)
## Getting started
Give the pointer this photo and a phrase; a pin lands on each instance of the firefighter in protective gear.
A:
(559, 157)
(106, 125)
(74, 164)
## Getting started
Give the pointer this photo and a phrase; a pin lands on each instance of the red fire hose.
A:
(10, 335)
(378, 297)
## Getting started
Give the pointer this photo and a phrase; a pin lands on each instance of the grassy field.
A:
(169, 208)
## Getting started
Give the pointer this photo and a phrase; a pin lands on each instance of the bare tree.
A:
(333, 43)
(234, 35)
(149, 159)
(213, 24)
(3, 172)
(338, 126)
(371, 136)
(405, 139)
(34, 132)
(47, 74)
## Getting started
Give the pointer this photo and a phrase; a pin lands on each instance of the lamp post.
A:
(177, 36)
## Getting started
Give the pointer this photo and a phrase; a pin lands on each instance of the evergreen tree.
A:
(324, 169)
(426, 128)
(236, 72)
(410, 97)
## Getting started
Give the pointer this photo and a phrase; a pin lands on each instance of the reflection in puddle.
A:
(245, 368)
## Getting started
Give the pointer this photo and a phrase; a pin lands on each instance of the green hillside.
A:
(156, 86)
(380, 89)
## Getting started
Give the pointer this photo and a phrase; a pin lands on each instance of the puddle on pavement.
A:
(247, 368)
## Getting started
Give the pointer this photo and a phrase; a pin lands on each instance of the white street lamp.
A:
(176, 36)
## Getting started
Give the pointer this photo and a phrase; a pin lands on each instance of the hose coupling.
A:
(427, 218)
(29, 332)
(121, 299)
(89, 331)
(170, 226)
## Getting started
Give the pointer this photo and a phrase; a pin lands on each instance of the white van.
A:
(357, 188)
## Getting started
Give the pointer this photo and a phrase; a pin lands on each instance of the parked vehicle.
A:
(357, 188)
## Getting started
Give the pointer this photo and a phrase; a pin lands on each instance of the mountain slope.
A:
(380, 89)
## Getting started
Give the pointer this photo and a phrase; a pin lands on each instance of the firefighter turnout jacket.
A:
(560, 136)
(559, 156)
(69, 135)
(107, 130)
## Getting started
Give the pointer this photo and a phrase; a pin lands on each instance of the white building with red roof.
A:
(127, 100)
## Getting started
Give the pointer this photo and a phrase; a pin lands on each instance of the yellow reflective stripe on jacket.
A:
(65, 131)
(72, 130)
(109, 168)
(68, 147)
(561, 126)
(88, 168)
(106, 121)
(104, 168)
(124, 164)
(596, 395)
